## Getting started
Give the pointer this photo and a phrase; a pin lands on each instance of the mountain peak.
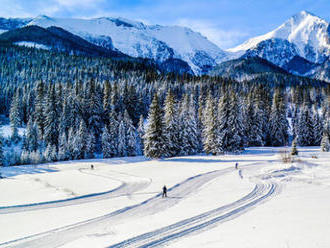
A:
(306, 31)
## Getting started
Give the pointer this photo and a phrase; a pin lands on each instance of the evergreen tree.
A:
(16, 112)
(188, 127)
(140, 137)
(106, 143)
(131, 139)
(209, 131)
(32, 136)
(51, 134)
(122, 152)
(63, 149)
(39, 112)
(278, 122)
(256, 117)
(171, 123)
(317, 128)
(325, 142)
(113, 132)
(50, 154)
(94, 107)
(155, 141)
(229, 131)
(306, 129)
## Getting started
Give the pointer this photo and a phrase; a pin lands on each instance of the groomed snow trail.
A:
(260, 193)
(64, 235)
(127, 187)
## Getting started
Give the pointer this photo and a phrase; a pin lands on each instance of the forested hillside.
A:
(76, 107)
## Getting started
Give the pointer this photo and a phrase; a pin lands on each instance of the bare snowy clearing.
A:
(210, 203)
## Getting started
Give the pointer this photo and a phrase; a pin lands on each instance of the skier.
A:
(236, 166)
(164, 192)
(92, 167)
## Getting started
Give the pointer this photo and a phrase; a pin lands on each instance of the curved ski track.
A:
(124, 189)
(63, 235)
(164, 235)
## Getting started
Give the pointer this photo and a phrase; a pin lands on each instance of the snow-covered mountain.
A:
(304, 35)
(140, 40)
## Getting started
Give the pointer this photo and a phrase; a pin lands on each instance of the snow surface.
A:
(264, 203)
(305, 30)
(6, 131)
(140, 40)
(32, 44)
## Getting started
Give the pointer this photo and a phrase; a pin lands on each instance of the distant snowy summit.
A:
(304, 36)
(301, 45)
(137, 39)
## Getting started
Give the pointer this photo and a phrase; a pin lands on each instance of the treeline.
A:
(77, 107)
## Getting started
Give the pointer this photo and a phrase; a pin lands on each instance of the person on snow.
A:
(236, 166)
(164, 192)
(92, 167)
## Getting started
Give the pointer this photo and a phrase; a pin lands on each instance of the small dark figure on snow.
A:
(236, 166)
(92, 167)
(164, 192)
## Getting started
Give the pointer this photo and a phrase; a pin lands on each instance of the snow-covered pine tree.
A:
(50, 153)
(305, 127)
(210, 127)
(113, 131)
(32, 136)
(66, 116)
(131, 104)
(188, 127)
(131, 139)
(51, 134)
(230, 129)
(39, 112)
(90, 145)
(155, 140)
(258, 118)
(200, 126)
(94, 105)
(16, 114)
(122, 152)
(295, 122)
(140, 137)
(278, 122)
(63, 149)
(171, 123)
(83, 136)
(317, 127)
(106, 100)
(325, 142)
(106, 143)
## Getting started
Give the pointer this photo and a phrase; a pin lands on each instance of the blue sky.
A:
(225, 22)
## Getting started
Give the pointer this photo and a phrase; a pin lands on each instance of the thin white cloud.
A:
(81, 3)
(223, 38)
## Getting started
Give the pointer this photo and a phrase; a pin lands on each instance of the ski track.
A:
(60, 236)
(200, 222)
(126, 188)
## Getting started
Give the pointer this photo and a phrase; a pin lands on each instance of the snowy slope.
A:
(139, 40)
(32, 44)
(308, 33)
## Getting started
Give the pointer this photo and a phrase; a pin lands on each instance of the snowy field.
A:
(263, 203)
